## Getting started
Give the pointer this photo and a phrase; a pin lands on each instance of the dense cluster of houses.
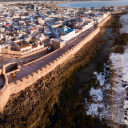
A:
(28, 27)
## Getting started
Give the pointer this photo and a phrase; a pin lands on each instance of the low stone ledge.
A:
(43, 68)
(28, 76)
(75, 46)
(68, 51)
(24, 78)
(50, 63)
(39, 70)
(32, 74)
(65, 54)
(56, 59)
(3, 89)
(21, 79)
(15, 82)
(61, 57)
(11, 84)
(1, 92)
(36, 71)
(78, 43)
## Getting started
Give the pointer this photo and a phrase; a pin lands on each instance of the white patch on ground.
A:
(96, 94)
(124, 22)
(120, 63)
(100, 78)
(93, 109)
(111, 98)
(110, 101)
(98, 107)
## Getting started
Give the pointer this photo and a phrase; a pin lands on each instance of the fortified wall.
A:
(21, 84)
(101, 24)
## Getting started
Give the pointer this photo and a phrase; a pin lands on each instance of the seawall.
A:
(21, 84)
(104, 21)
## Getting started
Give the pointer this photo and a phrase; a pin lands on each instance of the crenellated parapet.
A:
(104, 21)
(21, 84)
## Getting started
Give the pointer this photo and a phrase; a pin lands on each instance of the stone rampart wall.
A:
(43, 50)
(32, 78)
(21, 84)
(104, 21)
(7, 51)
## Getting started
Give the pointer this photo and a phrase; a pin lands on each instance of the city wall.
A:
(104, 21)
(21, 84)
(43, 50)
(7, 51)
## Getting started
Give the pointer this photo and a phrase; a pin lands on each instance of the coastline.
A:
(32, 94)
(33, 106)
(55, 4)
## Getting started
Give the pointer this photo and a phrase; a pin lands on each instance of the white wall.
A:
(69, 36)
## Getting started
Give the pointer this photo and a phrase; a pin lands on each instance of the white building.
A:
(67, 34)
(41, 21)
(1, 36)
(88, 25)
